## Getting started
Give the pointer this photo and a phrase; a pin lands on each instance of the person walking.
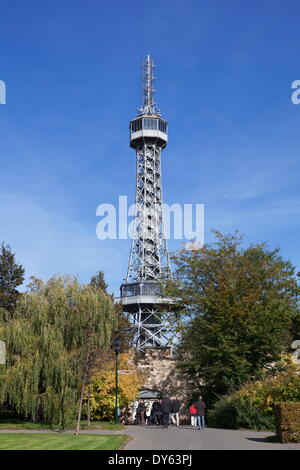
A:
(156, 410)
(200, 405)
(193, 414)
(175, 411)
(152, 417)
(141, 412)
(148, 413)
(134, 408)
(166, 409)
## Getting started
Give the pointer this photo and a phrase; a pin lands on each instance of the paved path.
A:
(185, 438)
(188, 438)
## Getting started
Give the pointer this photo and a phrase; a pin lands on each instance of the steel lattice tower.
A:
(149, 263)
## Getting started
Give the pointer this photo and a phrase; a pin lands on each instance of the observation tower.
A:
(149, 264)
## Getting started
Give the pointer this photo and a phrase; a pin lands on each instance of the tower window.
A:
(150, 124)
(136, 125)
(163, 127)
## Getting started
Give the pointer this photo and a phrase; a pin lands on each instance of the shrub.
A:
(287, 418)
(224, 414)
(232, 412)
(252, 407)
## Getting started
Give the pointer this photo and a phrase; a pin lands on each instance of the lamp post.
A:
(117, 351)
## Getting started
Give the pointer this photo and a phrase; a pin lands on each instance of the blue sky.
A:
(72, 70)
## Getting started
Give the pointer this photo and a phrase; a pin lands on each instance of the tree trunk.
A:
(80, 407)
(88, 407)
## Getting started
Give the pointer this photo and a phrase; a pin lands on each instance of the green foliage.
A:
(47, 347)
(239, 310)
(11, 276)
(287, 418)
(123, 331)
(98, 282)
(252, 407)
(237, 413)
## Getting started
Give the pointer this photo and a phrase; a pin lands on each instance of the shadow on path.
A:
(257, 439)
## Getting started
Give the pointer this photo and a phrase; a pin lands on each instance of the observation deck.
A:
(149, 128)
(145, 292)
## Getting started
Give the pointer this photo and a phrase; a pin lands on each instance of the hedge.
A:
(287, 419)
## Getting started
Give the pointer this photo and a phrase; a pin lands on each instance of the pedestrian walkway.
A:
(188, 438)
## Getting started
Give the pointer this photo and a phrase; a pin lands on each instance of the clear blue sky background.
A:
(72, 70)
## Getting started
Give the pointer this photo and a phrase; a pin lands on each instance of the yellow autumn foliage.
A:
(103, 387)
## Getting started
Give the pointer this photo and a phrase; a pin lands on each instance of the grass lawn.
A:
(15, 424)
(60, 442)
(106, 425)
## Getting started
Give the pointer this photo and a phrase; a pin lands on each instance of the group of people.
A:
(197, 413)
(165, 412)
(162, 412)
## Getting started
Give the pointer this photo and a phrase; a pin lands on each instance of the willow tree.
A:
(46, 347)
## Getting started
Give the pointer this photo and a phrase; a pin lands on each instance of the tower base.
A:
(161, 375)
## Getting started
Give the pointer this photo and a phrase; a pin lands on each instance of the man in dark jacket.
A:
(141, 412)
(156, 411)
(200, 405)
(175, 411)
(166, 408)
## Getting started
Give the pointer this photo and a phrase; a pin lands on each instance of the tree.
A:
(239, 310)
(51, 341)
(103, 387)
(123, 331)
(11, 276)
(98, 282)
(96, 338)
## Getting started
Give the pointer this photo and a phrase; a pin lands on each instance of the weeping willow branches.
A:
(58, 332)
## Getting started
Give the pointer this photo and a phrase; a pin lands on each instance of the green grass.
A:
(106, 425)
(60, 442)
(15, 425)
